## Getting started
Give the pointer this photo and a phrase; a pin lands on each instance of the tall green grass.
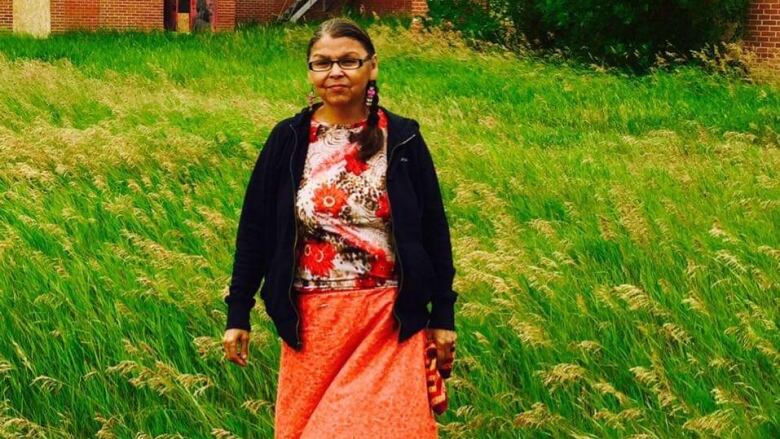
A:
(616, 237)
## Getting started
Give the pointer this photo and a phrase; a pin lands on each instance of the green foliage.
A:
(627, 33)
(468, 17)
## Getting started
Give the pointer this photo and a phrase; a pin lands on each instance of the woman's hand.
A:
(445, 343)
(236, 344)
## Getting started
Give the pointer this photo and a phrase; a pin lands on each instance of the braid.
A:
(373, 114)
(371, 138)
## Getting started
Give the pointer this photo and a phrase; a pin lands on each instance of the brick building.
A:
(763, 30)
(42, 17)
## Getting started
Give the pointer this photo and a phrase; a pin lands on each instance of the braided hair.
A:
(371, 138)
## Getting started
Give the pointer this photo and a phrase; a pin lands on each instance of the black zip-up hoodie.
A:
(268, 235)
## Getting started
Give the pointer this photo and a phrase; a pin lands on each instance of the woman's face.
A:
(339, 87)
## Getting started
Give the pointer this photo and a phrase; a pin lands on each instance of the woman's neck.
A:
(341, 116)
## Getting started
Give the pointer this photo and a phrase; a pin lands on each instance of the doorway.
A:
(181, 15)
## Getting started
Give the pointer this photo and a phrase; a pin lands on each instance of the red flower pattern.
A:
(317, 257)
(381, 267)
(383, 211)
(354, 164)
(330, 199)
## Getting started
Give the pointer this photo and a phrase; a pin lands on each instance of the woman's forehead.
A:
(328, 46)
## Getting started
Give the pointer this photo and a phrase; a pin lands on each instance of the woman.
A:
(341, 192)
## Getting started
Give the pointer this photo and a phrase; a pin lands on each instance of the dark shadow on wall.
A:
(204, 16)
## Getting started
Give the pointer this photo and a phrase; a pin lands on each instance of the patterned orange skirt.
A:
(352, 377)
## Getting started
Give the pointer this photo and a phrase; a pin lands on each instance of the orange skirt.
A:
(352, 378)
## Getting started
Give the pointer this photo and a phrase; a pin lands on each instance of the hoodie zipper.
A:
(295, 241)
(392, 218)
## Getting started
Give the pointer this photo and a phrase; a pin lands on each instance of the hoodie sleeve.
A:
(249, 266)
(436, 241)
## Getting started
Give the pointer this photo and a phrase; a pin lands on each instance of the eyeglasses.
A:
(323, 65)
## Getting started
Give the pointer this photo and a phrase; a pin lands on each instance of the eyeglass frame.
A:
(338, 61)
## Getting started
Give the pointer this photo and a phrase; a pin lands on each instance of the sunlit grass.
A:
(616, 238)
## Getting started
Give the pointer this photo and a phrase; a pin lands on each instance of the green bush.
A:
(468, 17)
(616, 32)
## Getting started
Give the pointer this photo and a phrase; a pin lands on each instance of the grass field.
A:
(616, 238)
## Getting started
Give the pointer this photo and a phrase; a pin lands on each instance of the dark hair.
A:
(370, 138)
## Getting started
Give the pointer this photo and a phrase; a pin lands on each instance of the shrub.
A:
(468, 17)
(627, 33)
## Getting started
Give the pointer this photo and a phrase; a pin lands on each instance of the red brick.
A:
(6, 14)
(763, 29)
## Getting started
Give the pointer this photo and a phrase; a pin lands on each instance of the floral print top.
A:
(344, 235)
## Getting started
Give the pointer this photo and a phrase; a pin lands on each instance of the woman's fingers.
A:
(244, 347)
(234, 351)
(442, 352)
(230, 350)
(445, 343)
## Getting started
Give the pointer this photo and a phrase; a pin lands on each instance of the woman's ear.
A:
(374, 67)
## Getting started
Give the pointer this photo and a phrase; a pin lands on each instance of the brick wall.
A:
(326, 9)
(419, 8)
(262, 11)
(763, 30)
(6, 15)
(114, 14)
(412, 7)
(380, 7)
(131, 14)
(74, 14)
(224, 15)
